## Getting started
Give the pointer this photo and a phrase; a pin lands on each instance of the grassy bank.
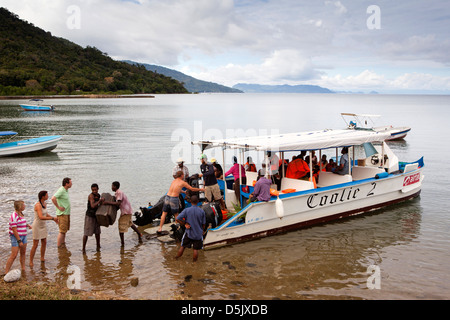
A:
(33, 290)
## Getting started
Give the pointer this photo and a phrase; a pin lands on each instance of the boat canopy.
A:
(312, 140)
(7, 133)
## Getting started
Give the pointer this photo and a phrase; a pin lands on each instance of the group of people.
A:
(299, 167)
(193, 218)
(18, 223)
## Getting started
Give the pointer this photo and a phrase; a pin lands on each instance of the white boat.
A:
(367, 122)
(378, 180)
(20, 147)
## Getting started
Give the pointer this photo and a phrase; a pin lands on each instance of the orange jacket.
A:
(297, 169)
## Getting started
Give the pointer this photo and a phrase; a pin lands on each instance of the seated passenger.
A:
(262, 171)
(324, 161)
(261, 191)
(297, 168)
(330, 165)
(343, 165)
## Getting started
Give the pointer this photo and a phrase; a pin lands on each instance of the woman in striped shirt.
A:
(18, 233)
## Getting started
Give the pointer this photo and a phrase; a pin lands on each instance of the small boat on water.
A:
(375, 180)
(367, 122)
(20, 147)
(36, 106)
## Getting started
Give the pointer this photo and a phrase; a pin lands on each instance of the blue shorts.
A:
(14, 242)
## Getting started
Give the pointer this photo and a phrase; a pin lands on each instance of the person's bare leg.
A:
(33, 251)
(163, 219)
(61, 240)
(180, 252)
(195, 255)
(43, 248)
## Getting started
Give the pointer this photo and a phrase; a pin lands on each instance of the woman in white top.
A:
(39, 226)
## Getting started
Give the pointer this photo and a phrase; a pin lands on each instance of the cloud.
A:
(282, 66)
(264, 41)
(369, 80)
(426, 47)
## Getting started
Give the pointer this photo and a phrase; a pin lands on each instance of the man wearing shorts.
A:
(171, 201)
(126, 212)
(194, 219)
(61, 201)
(91, 226)
(212, 188)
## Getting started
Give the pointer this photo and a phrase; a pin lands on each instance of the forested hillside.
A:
(33, 62)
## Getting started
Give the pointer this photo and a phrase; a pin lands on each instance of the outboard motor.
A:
(177, 231)
(213, 214)
(213, 219)
(148, 214)
(193, 181)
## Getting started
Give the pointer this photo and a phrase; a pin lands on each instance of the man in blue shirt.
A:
(194, 219)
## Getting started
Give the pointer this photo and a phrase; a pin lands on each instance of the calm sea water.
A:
(136, 141)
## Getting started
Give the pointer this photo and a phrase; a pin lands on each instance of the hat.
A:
(180, 160)
(213, 160)
(203, 156)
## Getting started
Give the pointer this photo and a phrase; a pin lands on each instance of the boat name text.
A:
(411, 179)
(343, 195)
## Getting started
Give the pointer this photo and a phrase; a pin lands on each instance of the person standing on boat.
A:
(126, 212)
(237, 170)
(344, 163)
(172, 200)
(61, 201)
(91, 226)
(194, 219)
(218, 171)
(39, 226)
(181, 167)
(212, 188)
(250, 165)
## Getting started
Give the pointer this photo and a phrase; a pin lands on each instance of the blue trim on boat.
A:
(29, 141)
(7, 133)
(234, 221)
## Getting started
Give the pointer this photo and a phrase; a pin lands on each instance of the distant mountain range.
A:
(195, 85)
(259, 88)
(190, 83)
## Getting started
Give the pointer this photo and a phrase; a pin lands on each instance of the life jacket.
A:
(251, 167)
(297, 169)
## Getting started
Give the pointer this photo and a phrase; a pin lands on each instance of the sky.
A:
(360, 46)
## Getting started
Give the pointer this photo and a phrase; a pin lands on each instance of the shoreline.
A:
(79, 96)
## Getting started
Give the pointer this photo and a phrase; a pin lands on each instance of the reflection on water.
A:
(130, 141)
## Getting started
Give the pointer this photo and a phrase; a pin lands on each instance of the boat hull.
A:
(36, 108)
(29, 146)
(317, 206)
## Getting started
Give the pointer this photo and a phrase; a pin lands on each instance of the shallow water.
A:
(136, 141)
